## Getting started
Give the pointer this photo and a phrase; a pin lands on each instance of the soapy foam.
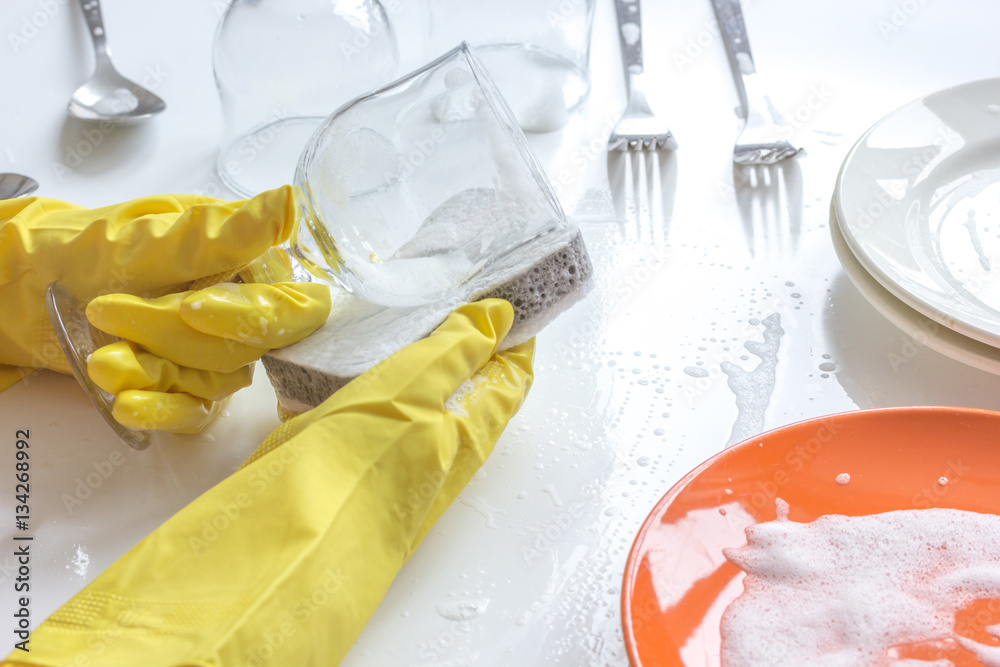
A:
(753, 389)
(846, 590)
(455, 404)
(542, 279)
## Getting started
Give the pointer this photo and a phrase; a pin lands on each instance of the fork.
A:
(759, 142)
(639, 128)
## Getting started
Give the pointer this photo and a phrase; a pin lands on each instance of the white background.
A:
(538, 541)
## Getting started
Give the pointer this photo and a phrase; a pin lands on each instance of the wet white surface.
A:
(723, 313)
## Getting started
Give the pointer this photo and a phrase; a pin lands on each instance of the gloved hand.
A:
(189, 350)
(284, 561)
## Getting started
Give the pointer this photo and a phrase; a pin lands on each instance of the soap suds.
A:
(456, 403)
(854, 590)
(753, 389)
(121, 101)
(80, 562)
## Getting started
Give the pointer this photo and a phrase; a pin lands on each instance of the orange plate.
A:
(677, 582)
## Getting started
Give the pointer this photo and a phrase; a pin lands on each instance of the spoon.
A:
(108, 95)
(15, 185)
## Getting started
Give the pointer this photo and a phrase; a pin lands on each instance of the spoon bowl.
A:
(107, 95)
(110, 96)
(16, 185)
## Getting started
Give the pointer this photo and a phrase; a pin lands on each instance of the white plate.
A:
(918, 198)
(923, 330)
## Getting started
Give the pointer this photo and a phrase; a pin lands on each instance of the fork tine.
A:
(746, 156)
(640, 128)
(759, 142)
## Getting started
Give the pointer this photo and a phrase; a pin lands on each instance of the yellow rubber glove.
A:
(283, 562)
(188, 352)
(192, 349)
(150, 246)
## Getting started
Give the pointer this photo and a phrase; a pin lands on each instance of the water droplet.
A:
(631, 33)
(480, 505)
(550, 490)
(462, 610)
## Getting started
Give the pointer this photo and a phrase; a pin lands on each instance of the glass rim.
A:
(343, 272)
(501, 109)
(498, 106)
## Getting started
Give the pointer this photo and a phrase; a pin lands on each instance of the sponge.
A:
(540, 278)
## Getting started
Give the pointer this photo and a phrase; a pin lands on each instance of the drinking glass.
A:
(538, 51)
(281, 67)
(410, 191)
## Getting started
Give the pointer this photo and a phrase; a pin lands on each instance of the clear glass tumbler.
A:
(538, 51)
(410, 191)
(281, 67)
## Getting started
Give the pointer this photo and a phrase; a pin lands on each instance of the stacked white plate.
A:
(916, 220)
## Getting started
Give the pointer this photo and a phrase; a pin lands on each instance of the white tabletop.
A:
(630, 388)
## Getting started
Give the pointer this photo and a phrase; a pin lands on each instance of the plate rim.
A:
(958, 324)
(948, 342)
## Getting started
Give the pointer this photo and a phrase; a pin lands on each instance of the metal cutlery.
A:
(639, 127)
(107, 95)
(16, 185)
(760, 141)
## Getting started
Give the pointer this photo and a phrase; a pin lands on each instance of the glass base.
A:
(265, 157)
(541, 87)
